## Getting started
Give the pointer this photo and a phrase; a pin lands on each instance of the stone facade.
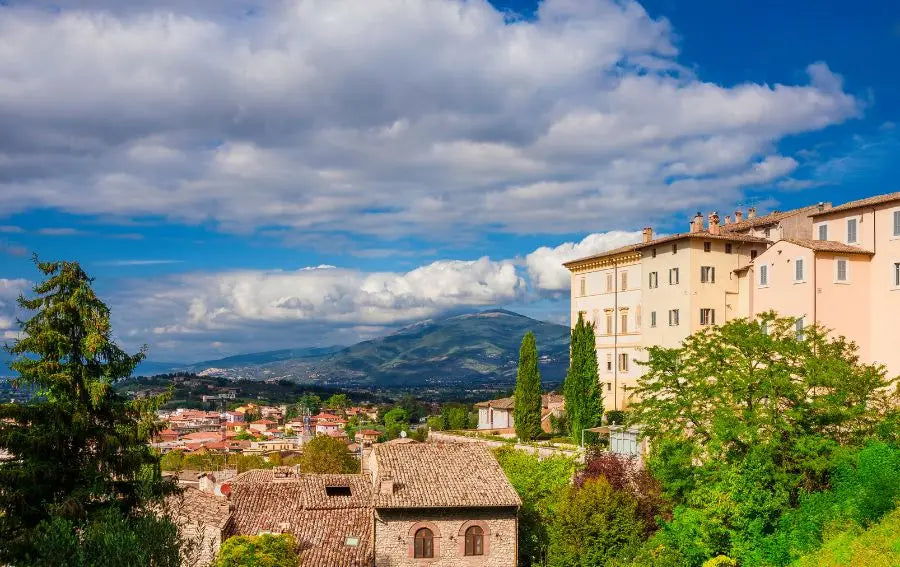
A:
(394, 530)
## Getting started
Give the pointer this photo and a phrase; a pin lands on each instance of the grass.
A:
(877, 546)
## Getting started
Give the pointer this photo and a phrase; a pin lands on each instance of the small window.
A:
(823, 232)
(728, 248)
(624, 329)
(768, 232)
(897, 274)
(675, 248)
(653, 252)
(707, 246)
(608, 386)
(653, 313)
(475, 541)
(753, 254)
(624, 281)
(841, 270)
(707, 274)
(623, 362)
(609, 362)
(707, 316)
(673, 276)
(896, 223)
(851, 231)
(423, 544)
(609, 282)
(763, 275)
(583, 287)
(798, 269)
(609, 324)
(673, 317)
(798, 328)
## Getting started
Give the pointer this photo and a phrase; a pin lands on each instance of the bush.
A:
(259, 551)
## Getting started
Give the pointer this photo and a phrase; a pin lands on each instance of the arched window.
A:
(475, 541)
(423, 543)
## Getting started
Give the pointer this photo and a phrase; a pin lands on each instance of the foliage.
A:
(595, 525)
(265, 550)
(527, 410)
(79, 451)
(855, 547)
(172, 461)
(584, 398)
(414, 409)
(540, 484)
(338, 402)
(395, 421)
(456, 417)
(307, 403)
(327, 455)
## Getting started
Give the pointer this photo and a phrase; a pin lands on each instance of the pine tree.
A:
(584, 398)
(78, 450)
(527, 412)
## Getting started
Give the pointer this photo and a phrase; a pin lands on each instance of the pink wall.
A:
(845, 307)
(785, 295)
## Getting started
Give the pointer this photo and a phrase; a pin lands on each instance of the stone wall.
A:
(394, 530)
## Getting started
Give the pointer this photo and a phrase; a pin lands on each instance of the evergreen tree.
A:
(527, 412)
(78, 450)
(584, 398)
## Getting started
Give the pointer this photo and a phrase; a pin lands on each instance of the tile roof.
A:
(867, 202)
(705, 235)
(501, 403)
(768, 219)
(829, 246)
(194, 506)
(613, 252)
(433, 475)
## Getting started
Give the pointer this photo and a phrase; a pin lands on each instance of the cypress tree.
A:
(582, 392)
(527, 412)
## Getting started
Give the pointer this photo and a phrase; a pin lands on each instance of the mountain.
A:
(470, 349)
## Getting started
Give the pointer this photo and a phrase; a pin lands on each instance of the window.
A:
(896, 223)
(609, 386)
(653, 253)
(609, 282)
(823, 232)
(675, 248)
(728, 248)
(673, 276)
(763, 275)
(798, 328)
(707, 246)
(653, 313)
(624, 281)
(423, 543)
(623, 362)
(897, 274)
(753, 254)
(707, 274)
(654, 280)
(637, 317)
(609, 324)
(841, 270)
(707, 316)
(475, 541)
(798, 270)
(583, 286)
(624, 328)
(609, 362)
(851, 231)
(768, 232)
(673, 317)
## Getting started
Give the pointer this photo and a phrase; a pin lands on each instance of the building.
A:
(497, 415)
(202, 519)
(442, 505)
(838, 266)
(325, 423)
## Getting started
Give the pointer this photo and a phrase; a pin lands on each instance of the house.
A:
(201, 518)
(367, 437)
(498, 414)
(325, 423)
(442, 505)
(261, 425)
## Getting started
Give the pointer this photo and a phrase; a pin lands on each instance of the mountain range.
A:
(469, 349)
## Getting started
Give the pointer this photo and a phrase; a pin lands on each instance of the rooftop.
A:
(829, 246)
(867, 202)
(771, 218)
(500, 403)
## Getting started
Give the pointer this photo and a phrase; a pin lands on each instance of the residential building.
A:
(497, 415)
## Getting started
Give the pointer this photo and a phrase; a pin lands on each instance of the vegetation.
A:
(527, 411)
(81, 480)
(856, 547)
(327, 455)
(584, 398)
(339, 402)
(174, 461)
(265, 550)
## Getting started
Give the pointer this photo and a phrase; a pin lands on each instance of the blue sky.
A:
(241, 176)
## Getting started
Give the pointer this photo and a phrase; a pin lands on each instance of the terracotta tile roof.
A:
(768, 219)
(451, 475)
(705, 235)
(867, 202)
(370, 432)
(548, 399)
(501, 403)
(613, 252)
(197, 507)
(829, 246)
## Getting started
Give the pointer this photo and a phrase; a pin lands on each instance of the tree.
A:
(338, 402)
(581, 389)
(327, 455)
(265, 550)
(527, 411)
(79, 451)
(455, 417)
(395, 421)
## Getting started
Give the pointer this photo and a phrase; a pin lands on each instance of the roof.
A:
(369, 432)
(194, 506)
(705, 235)
(829, 246)
(446, 475)
(301, 506)
(768, 219)
(867, 202)
(548, 399)
(613, 252)
(501, 403)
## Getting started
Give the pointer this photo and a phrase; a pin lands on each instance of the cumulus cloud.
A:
(545, 265)
(384, 117)
(9, 311)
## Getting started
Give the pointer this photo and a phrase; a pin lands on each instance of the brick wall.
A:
(393, 537)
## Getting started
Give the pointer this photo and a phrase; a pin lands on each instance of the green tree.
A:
(327, 455)
(595, 526)
(338, 402)
(265, 550)
(455, 417)
(172, 461)
(395, 421)
(584, 398)
(527, 411)
(79, 451)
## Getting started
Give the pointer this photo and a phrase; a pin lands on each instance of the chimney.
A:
(387, 486)
(727, 219)
(714, 223)
(648, 234)
(697, 222)
(738, 215)
(751, 213)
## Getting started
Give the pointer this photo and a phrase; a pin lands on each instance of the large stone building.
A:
(838, 266)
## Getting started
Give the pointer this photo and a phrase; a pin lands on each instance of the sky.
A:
(241, 175)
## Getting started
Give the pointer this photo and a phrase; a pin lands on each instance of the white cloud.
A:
(384, 117)
(10, 289)
(544, 265)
